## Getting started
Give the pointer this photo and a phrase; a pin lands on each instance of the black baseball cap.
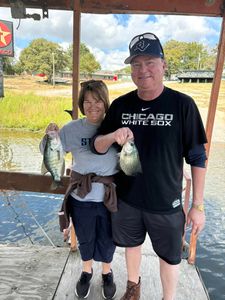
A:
(145, 44)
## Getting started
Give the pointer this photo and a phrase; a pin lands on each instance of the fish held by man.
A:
(53, 158)
(129, 160)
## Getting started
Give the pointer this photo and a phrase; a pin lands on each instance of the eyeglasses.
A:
(149, 36)
(91, 83)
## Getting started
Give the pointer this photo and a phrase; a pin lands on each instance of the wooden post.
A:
(215, 86)
(73, 239)
(1, 79)
(192, 249)
(76, 56)
(211, 116)
(75, 87)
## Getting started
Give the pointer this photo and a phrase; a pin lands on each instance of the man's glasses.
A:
(149, 36)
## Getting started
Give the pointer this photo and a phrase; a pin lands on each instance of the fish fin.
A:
(63, 168)
(43, 168)
(118, 165)
(55, 185)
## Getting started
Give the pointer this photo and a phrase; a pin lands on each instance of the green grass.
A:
(25, 107)
(32, 112)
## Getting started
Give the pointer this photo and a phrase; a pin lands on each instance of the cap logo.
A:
(142, 45)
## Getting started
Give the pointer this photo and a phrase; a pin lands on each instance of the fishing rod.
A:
(16, 216)
(33, 217)
(39, 225)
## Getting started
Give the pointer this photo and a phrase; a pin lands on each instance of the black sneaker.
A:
(82, 289)
(108, 286)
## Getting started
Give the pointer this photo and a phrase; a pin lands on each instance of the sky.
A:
(108, 36)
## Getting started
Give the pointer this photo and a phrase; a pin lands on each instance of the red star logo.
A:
(5, 35)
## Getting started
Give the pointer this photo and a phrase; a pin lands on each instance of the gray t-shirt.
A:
(75, 137)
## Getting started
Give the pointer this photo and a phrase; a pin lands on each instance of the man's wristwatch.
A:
(199, 207)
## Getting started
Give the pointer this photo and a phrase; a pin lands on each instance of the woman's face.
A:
(94, 108)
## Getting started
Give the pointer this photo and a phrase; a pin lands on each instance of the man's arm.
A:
(103, 142)
(195, 216)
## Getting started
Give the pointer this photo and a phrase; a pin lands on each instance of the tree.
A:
(88, 63)
(126, 70)
(183, 56)
(210, 61)
(8, 65)
(38, 57)
(174, 52)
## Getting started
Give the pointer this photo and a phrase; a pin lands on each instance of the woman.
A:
(91, 182)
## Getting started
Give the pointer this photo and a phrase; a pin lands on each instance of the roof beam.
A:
(212, 8)
(180, 7)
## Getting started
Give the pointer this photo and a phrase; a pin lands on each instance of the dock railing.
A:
(40, 183)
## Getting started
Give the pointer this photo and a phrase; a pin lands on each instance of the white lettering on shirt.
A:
(151, 119)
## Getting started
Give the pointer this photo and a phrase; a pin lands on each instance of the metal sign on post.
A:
(6, 38)
(6, 47)
(1, 79)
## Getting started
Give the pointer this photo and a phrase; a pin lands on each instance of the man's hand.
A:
(196, 219)
(122, 135)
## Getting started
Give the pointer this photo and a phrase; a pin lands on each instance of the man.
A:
(166, 127)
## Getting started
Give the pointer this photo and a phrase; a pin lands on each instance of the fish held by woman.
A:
(129, 160)
(53, 158)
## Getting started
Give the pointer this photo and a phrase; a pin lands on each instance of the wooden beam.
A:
(50, 4)
(211, 8)
(76, 57)
(215, 87)
(200, 7)
(30, 182)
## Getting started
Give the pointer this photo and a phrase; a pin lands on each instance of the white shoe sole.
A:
(85, 295)
(106, 297)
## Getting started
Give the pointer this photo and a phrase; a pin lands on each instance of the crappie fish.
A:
(53, 158)
(129, 160)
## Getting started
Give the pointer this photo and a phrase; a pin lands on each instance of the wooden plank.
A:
(200, 7)
(189, 287)
(30, 182)
(30, 272)
(50, 4)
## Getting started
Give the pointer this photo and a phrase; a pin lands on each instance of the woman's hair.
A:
(96, 87)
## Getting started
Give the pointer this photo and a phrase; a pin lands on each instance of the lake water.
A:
(31, 218)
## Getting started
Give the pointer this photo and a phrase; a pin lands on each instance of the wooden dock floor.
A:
(43, 272)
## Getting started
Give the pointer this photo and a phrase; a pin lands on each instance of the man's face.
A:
(147, 72)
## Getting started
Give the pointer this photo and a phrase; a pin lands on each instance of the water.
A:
(31, 218)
